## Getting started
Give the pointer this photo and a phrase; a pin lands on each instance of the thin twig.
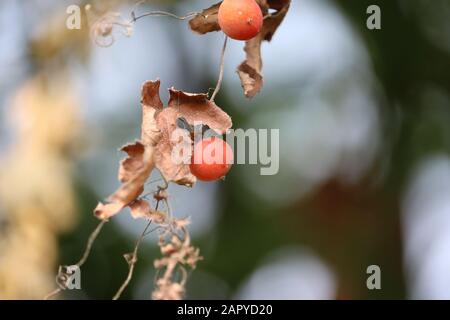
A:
(85, 255)
(168, 208)
(166, 182)
(52, 294)
(152, 193)
(158, 13)
(222, 64)
(153, 230)
(132, 263)
(153, 181)
(90, 243)
(133, 259)
(134, 18)
(184, 275)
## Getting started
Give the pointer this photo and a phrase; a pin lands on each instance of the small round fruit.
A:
(212, 159)
(240, 19)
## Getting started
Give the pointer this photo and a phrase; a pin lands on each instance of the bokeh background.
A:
(364, 119)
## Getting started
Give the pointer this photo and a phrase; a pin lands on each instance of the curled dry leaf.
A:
(179, 224)
(206, 21)
(151, 105)
(172, 170)
(161, 195)
(142, 209)
(157, 216)
(195, 109)
(156, 147)
(133, 162)
(249, 71)
(137, 167)
(168, 290)
(177, 255)
(133, 173)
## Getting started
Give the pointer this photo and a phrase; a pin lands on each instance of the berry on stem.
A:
(212, 159)
(240, 19)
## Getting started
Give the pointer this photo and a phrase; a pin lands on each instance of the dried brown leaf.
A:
(137, 167)
(168, 249)
(105, 211)
(206, 21)
(172, 171)
(156, 146)
(161, 195)
(157, 216)
(133, 162)
(250, 71)
(133, 173)
(168, 290)
(140, 209)
(179, 224)
(251, 78)
(151, 105)
(195, 107)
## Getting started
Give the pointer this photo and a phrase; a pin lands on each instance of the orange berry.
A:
(212, 159)
(240, 19)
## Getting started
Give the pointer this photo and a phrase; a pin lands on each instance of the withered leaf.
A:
(179, 224)
(206, 21)
(194, 109)
(157, 144)
(141, 209)
(133, 173)
(251, 78)
(151, 104)
(133, 162)
(137, 167)
(177, 172)
(250, 71)
(157, 216)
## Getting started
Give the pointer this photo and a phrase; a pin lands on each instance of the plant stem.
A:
(90, 243)
(134, 18)
(84, 257)
(132, 263)
(222, 64)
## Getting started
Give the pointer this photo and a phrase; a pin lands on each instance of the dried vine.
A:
(154, 149)
(62, 274)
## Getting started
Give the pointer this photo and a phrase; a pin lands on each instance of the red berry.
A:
(212, 159)
(240, 19)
